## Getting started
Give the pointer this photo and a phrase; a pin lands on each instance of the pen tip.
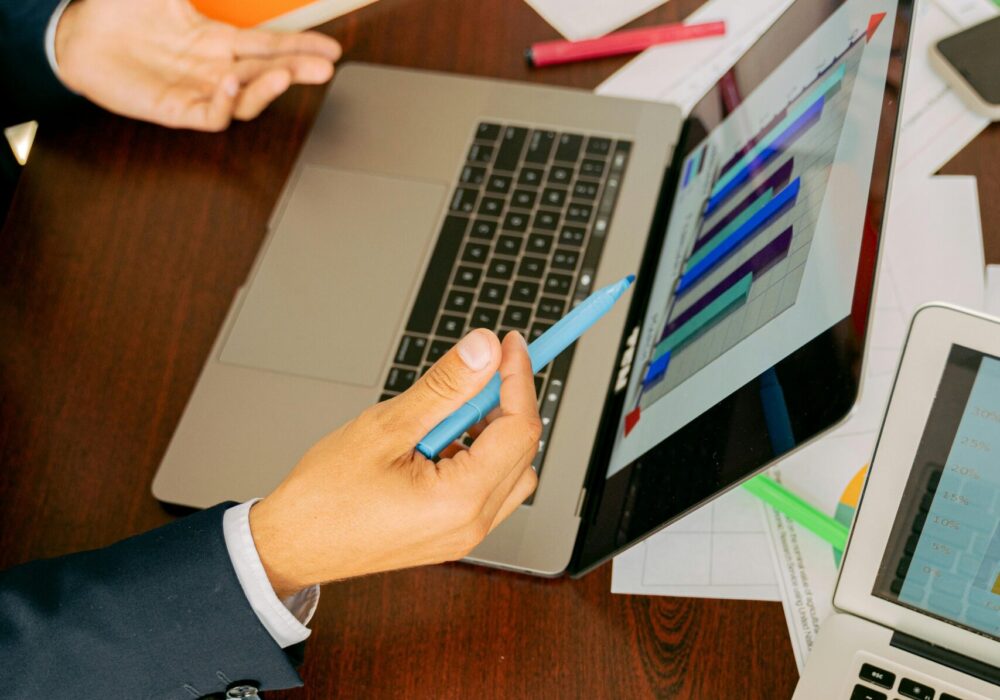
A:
(630, 279)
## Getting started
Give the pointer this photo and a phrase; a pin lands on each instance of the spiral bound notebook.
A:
(283, 15)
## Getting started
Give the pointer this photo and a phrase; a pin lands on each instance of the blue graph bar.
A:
(807, 119)
(656, 370)
(687, 173)
(739, 236)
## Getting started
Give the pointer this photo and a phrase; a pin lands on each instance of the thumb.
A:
(454, 379)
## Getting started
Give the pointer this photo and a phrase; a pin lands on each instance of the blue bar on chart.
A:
(693, 166)
(798, 120)
(754, 140)
(657, 370)
(778, 179)
(735, 239)
(759, 263)
(733, 297)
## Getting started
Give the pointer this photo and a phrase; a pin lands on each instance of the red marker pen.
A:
(549, 53)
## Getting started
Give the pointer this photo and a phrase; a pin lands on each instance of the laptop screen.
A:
(943, 554)
(751, 308)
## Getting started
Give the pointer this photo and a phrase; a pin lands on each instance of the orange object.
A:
(247, 13)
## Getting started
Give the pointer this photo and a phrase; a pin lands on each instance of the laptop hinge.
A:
(946, 657)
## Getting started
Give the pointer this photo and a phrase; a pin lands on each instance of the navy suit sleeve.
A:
(160, 616)
(28, 87)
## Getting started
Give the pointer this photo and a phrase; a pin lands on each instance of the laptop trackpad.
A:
(328, 296)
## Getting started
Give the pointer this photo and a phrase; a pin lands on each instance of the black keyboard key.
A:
(488, 132)
(560, 175)
(864, 693)
(949, 696)
(551, 309)
(565, 259)
(568, 149)
(539, 243)
(539, 146)
(877, 676)
(585, 190)
(400, 379)
(500, 269)
(464, 200)
(491, 206)
(539, 384)
(915, 690)
(530, 177)
(523, 293)
(579, 213)
(531, 267)
(523, 199)
(480, 153)
(483, 317)
(517, 317)
(598, 146)
(553, 197)
(411, 351)
(591, 168)
(570, 235)
(509, 245)
(484, 229)
(558, 284)
(436, 276)
(493, 293)
(458, 300)
(516, 221)
(385, 397)
(472, 175)
(536, 330)
(511, 146)
(467, 277)
(545, 220)
(423, 370)
(451, 326)
(437, 349)
(476, 252)
(499, 184)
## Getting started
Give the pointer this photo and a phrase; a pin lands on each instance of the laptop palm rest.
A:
(337, 275)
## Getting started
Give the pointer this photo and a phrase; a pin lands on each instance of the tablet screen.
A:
(943, 556)
(752, 304)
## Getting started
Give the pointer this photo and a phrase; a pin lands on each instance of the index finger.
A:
(512, 439)
(259, 43)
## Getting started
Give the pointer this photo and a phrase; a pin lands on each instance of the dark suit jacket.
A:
(160, 615)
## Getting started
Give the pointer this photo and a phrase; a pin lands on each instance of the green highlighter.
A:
(781, 499)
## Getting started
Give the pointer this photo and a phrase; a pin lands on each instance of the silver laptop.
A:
(424, 205)
(918, 599)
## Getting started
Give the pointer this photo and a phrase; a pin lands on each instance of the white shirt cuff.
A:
(286, 619)
(50, 36)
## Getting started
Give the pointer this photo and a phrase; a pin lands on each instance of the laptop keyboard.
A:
(878, 679)
(519, 246)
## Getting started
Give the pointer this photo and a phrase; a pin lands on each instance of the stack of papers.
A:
(584, 19)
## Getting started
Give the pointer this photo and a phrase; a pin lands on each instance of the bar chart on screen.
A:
(746, 260)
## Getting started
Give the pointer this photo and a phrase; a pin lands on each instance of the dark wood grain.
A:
(121, 253)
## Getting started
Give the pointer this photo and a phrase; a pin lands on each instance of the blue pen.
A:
(545, 349)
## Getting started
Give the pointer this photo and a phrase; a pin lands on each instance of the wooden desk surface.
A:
(119, 259)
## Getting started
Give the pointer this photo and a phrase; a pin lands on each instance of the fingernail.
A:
(231, 85)
(474, 349)
(524, 342)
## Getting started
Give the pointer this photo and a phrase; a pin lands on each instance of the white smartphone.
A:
(970, 62)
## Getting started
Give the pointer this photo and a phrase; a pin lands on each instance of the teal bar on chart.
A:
(722, 235)
(828, 84)
(735, 295)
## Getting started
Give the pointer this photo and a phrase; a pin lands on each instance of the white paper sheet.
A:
(991, 299)
(583, 19)
(682, 73)
(933, 226)
(719, 551)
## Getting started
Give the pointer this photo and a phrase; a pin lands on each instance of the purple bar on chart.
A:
(777, 180)
(657, 369)
(758, 264)
(754, 141)
(800, 125)
(687, 173)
